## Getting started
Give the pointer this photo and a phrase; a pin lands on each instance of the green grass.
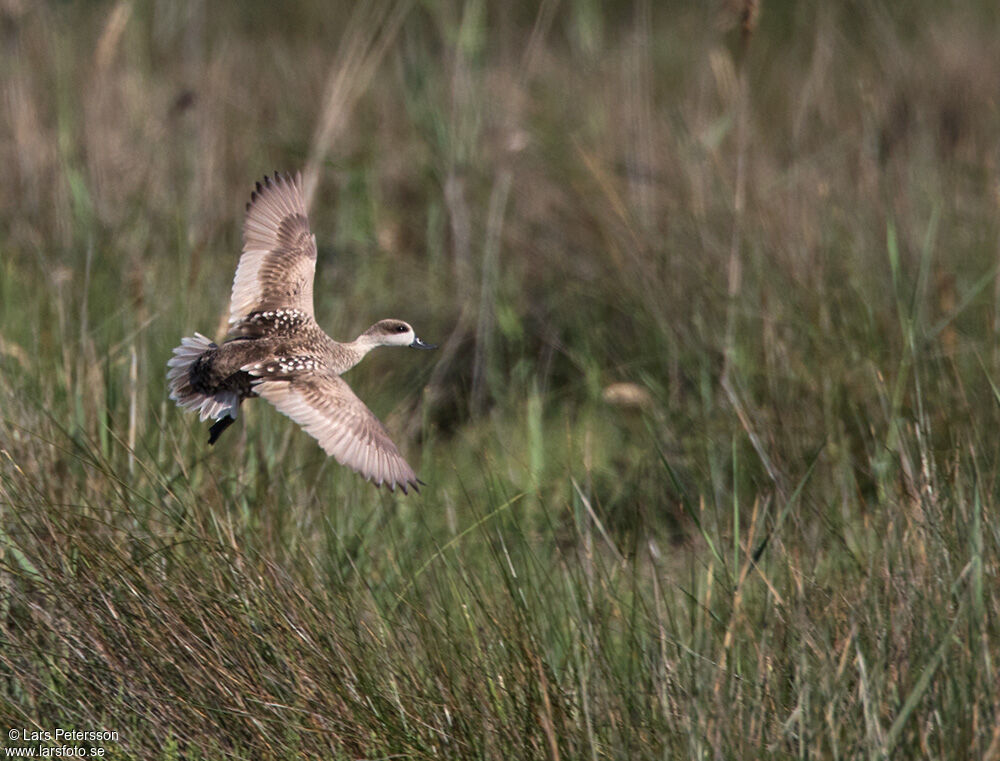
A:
(785, 547)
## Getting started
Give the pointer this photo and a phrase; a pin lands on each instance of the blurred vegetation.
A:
(709, 442)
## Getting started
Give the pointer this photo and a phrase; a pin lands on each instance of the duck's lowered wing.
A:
(329, 411)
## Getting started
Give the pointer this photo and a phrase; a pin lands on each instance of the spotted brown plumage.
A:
(278, 263)
(277, 351)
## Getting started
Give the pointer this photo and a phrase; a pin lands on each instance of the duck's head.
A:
(394, 333)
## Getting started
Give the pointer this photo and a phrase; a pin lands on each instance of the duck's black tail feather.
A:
(218, 427)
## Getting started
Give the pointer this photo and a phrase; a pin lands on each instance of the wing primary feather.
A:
(326, 408)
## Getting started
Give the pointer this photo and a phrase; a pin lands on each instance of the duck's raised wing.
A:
(326, 408)
(278, 263)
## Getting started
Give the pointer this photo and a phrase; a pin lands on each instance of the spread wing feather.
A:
(278, 264)
(327, 409)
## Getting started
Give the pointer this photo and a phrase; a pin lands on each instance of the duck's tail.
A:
(208, 405)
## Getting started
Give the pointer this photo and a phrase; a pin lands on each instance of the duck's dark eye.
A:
(400, 328)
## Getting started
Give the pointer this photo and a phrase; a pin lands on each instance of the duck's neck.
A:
(355, 351)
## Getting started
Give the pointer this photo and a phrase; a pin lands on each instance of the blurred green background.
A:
(709, 441)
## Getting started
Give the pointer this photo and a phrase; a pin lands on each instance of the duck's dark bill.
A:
(418, 344)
